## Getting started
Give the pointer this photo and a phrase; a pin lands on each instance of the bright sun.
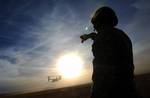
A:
(70, 66)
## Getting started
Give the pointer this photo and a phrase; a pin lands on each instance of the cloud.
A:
(11, 60)
(139, 32)
(139, 26)
(42, 31)
(38, 46)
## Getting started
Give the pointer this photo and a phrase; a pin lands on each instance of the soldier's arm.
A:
(87, 36)
(92, 35)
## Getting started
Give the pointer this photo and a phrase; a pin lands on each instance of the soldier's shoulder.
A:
(118, 30)
(122, 35)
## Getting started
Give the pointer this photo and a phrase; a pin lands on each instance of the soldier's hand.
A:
(84, 37)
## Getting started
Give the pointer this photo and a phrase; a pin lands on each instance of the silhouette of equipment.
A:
(54, 78)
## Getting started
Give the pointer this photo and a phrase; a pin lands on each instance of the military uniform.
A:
(113, 68)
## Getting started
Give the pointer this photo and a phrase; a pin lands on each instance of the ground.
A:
(82, 91)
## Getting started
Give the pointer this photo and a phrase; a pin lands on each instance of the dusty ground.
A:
(82, 91)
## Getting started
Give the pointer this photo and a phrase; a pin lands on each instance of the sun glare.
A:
(70, 66)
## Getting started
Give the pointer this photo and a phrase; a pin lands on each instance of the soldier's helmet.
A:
(104, 16)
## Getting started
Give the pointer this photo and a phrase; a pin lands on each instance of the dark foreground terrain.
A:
(82, 91)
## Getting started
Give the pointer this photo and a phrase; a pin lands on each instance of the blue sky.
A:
(33, 33)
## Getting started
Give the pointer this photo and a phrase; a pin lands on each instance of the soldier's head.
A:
(104, 16)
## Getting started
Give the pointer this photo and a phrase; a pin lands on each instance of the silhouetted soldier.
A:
(113, 68)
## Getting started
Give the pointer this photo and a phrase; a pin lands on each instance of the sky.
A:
(34, 33)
